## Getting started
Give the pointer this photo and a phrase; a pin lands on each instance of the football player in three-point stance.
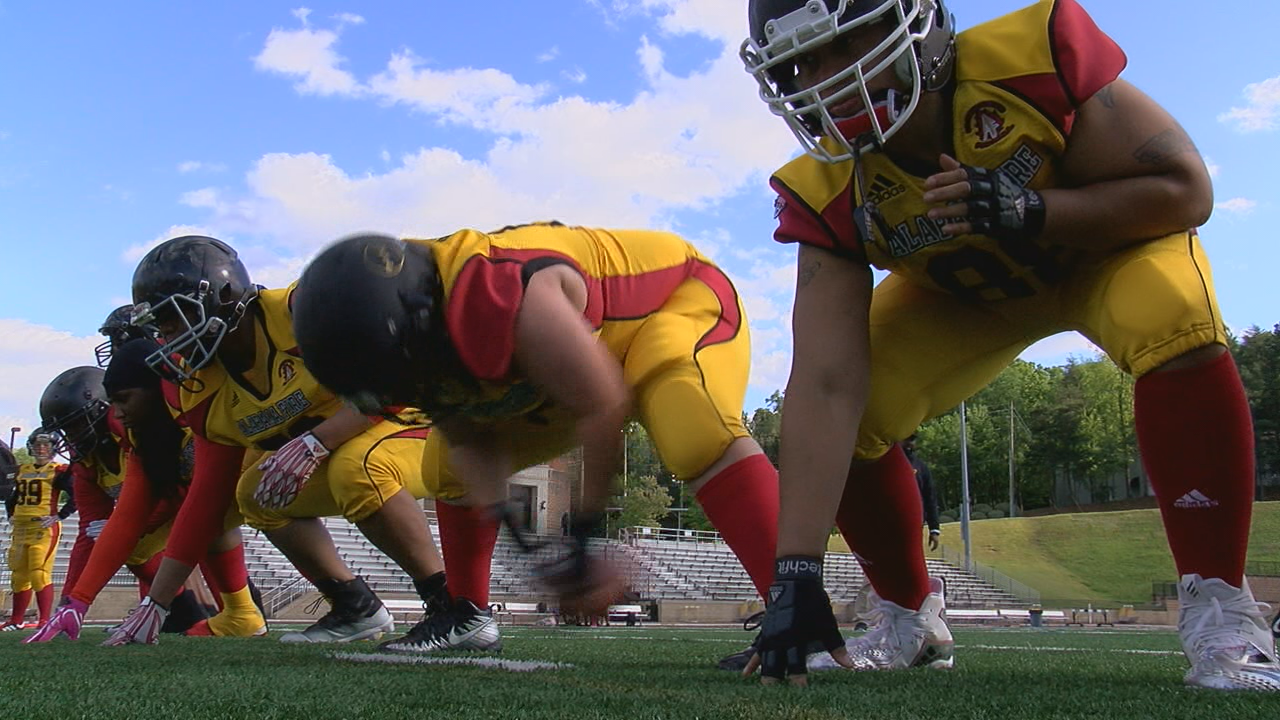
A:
(134, 515)
(35, 522)
(525, 343)
(230, 348)
(1014, 187)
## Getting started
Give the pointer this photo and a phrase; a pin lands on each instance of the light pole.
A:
(964, 490)
(12, 432)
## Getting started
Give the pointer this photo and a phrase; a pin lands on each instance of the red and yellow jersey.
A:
(628, 275)
(275, 402)
(105, 476)
(35, 491)
(1019, 82)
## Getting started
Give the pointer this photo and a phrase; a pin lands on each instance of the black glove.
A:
(570, 572)
(799, 616)
(1001, 208)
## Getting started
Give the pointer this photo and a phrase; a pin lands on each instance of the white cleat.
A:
(341, 627)
(462, 627)
(1225, 637)
(899, 638)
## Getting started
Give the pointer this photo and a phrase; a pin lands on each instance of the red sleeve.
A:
(1087, 59)
(92, 502)
(212, 491)
(119, 537)
(834, 230)
(481, 315)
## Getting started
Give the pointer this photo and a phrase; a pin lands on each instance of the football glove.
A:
(797, 618)
(1001, 208)
(141, 627)
(66, 621)
(94, 529)
(48, 521)
(286, 472)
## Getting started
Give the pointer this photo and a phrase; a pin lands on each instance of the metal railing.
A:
(631, 534)
(281, 596)
(991, 576)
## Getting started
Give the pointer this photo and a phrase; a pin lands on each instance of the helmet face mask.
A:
(119, 328)
(41, 446)
(195, 291)
(916, 46)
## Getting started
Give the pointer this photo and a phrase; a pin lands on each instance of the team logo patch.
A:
(287, 371)
(883, 189)
(986, 120)
(384, 260)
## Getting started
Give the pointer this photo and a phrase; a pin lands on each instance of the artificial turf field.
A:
(644, 672)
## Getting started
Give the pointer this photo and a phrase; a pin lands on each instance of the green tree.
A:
(645, 503)
(1258, 356)
(765, 425)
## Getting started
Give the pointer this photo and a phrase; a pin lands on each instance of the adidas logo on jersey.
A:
(883, 189)
(1195, 499)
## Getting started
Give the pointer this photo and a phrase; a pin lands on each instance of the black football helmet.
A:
(194, 290)
(119, 328)
(367, 315)
(8, 471)
(41, 446)
(74, 409)
(918, 47)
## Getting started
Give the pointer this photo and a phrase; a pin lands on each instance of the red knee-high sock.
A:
(1196, 437)
(880, 517)
(225, 572)
(21, 600)
(211, 580)
(467, 538)
(741, 501)
(44, 602)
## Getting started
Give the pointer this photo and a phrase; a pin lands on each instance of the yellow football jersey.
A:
(276, 402)
(34, 494)
(1019, 80)
(629, 275)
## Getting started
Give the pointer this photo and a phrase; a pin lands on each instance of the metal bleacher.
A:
(660, 564)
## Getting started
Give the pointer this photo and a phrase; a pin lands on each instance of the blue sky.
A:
(280, 129)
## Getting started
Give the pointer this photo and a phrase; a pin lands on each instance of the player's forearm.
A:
(601, 437)
(1115, 213)
(819, 428)
(341, 427)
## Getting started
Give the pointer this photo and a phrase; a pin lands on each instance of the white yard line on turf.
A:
(484, 662)
(1067, 649)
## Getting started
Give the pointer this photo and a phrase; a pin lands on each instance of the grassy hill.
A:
(1112, 556)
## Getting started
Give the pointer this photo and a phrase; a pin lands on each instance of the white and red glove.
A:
(48, 521)
(141, 627)
(94, 529)
(286, 472)
(66, 621)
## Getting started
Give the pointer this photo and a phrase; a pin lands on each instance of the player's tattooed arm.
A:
(808, 270)
(1163, 146)
(1129, 173)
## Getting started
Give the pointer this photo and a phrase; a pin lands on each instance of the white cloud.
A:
(577, 76)
(1262, 111)
(1238, 205)
(1213, 167)
(1057, 349)
(190, 166)
(549, 55)
(309, 55)
(348, 19)
(30, 356)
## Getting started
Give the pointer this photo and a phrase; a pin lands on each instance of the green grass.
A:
(1103, 557)
(631, 673)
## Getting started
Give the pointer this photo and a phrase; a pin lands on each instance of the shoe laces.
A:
(1216, 624)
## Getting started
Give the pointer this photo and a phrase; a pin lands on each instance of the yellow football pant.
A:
(357, 478)
(31, 554)
(1144, 306)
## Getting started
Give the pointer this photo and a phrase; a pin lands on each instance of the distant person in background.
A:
(8, 471)
(35, 521)
(928, 497)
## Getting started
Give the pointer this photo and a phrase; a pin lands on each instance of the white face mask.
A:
(918, 49)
